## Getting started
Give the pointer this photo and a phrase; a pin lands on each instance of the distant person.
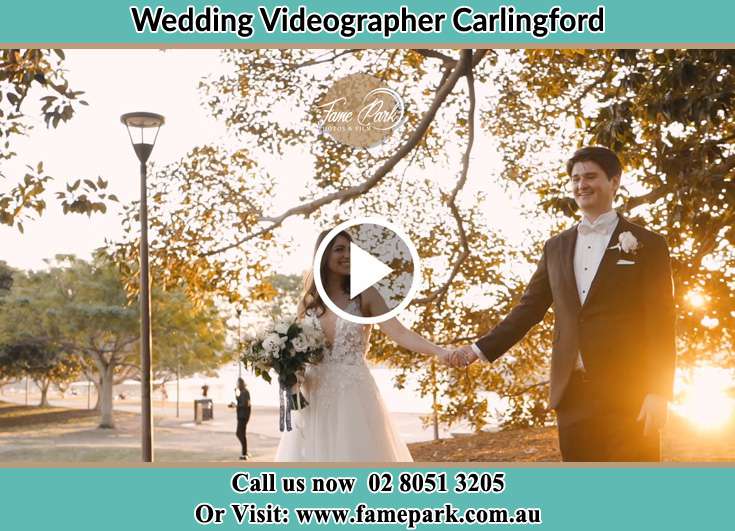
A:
(242, 395)
(205, 390)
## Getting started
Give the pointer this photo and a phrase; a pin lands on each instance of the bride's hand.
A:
(444, 356)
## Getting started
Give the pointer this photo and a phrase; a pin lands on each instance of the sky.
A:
(94, 143)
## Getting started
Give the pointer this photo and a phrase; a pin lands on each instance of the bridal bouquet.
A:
(286, 345)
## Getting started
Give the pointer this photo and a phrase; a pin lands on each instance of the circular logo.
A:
(381, 255)
(360, 110)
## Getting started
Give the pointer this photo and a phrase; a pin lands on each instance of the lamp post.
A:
(143, 130)
(239, 343)
(178, 381)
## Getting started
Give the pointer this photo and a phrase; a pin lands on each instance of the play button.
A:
(365, 270)
(380, 256)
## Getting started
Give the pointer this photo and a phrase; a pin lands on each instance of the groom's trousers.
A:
(596, 427)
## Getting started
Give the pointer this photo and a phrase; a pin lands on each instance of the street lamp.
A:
(143, 130)
(239, 343)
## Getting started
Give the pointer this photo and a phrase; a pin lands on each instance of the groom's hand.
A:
(463, 356)
(654, 411)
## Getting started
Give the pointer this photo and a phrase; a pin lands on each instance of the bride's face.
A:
(338, 262)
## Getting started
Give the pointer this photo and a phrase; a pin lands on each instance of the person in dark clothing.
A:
(242, 406)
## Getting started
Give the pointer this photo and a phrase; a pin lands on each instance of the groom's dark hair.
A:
(604, 157)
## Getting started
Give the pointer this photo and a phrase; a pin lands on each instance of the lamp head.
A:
(143, 125)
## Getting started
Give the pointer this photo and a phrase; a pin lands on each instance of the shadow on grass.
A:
(88, 454)
(14, 416)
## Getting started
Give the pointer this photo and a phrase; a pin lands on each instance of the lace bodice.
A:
(351, 340)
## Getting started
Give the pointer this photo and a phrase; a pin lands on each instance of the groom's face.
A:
(593, 191)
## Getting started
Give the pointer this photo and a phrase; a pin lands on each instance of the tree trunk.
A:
(44, 395)
(105, 398)
(98, 392)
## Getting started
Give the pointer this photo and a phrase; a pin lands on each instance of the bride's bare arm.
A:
(375, 305)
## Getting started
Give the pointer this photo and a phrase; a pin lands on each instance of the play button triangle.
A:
(365, 270)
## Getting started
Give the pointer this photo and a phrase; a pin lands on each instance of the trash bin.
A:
(203, 410)
(197, 412)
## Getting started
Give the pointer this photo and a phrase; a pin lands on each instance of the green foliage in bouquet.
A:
(286, 346)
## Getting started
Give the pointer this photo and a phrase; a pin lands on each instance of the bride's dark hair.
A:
(310, 298)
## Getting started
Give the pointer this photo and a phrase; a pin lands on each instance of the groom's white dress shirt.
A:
(592, 240)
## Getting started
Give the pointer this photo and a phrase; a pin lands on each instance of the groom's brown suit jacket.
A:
(624, 330)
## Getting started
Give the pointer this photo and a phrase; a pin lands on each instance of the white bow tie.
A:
(587, 228)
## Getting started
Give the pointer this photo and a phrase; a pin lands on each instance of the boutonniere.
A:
(627, 243)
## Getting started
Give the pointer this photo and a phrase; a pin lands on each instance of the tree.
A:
(669, 114)
(40, 361)
(23, 74)
(6, 282)
(82, 308)
(6, 279)
(188, 339)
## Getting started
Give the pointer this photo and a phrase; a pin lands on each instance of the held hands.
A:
(463, 356)
(459, 357)
(443, 355)
(653, 414)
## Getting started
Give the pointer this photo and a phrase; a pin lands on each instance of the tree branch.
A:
(317, 61)
(578, 99)
(527, 389)
(435, 54)
(441, 292)
(651, 197)
(480, 54)
(347, 194)
(715, 174)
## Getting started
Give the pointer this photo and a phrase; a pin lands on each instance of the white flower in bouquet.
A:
(283, 325)
(300, 343)
(272, 344)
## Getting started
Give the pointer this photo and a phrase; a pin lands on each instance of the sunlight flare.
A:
(706, 401)
(696, 299)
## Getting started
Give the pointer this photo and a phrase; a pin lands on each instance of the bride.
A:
(346, 419)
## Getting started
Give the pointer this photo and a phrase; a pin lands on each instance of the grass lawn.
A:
(60, 435)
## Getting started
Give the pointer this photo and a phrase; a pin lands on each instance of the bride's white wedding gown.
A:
(346, 419)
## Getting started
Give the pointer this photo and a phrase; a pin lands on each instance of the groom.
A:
(612, 362)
